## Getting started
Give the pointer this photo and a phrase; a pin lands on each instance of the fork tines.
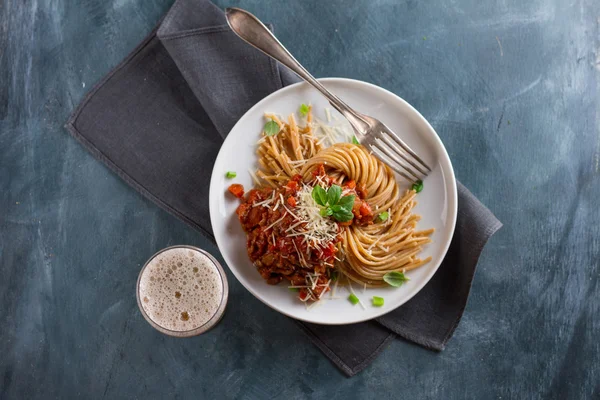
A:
(398, 155)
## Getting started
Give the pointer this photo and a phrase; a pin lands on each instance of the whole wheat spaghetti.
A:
(368, 252)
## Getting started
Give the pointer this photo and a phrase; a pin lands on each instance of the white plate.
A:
(436, 204)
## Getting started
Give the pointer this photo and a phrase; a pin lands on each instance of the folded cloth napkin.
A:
(159, 118)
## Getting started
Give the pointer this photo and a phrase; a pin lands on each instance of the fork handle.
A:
(251, 30)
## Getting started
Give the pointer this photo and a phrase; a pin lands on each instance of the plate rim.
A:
(452, 201)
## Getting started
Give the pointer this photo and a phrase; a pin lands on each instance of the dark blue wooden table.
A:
(512, 87)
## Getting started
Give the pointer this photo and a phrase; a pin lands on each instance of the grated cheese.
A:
(291, 213)
(314, 229)
(265, 203)
(301, 256)
(276, 222)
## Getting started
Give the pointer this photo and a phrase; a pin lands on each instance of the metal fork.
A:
(370, 132)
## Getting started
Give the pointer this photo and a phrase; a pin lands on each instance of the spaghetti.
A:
(368, 251)
(373, 250)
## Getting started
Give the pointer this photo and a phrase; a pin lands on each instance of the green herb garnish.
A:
(271, 128)
(353, 299)
(333, 194)
(319, 195)
(340, 208)
(383, 216)
(326, 212)
(230, 174)
(395, 279)
(304, 109)
(293, 289)
(355, 140)
(417, 186)
(377, 301)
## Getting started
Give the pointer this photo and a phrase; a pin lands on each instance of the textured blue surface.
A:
(512, 87)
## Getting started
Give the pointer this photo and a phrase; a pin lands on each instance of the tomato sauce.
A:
(268, 214)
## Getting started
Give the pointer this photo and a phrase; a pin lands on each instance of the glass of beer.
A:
(182, 291)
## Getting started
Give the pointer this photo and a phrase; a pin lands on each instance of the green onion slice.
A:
(377, 301)
(304, 109)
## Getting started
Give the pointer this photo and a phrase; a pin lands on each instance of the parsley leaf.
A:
(304, 109)
(271, 128)
(355, 140)
(395, 279)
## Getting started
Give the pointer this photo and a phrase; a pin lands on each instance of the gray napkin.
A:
(158, 120)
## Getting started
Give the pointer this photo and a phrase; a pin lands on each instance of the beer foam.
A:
(180, 289)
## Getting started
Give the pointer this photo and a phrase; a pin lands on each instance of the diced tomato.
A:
(291, 201)
(319, 171)
(362, 212)
(303, 294)
(292, 185)
(365, 209)
(237, 190)
(351, 184)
